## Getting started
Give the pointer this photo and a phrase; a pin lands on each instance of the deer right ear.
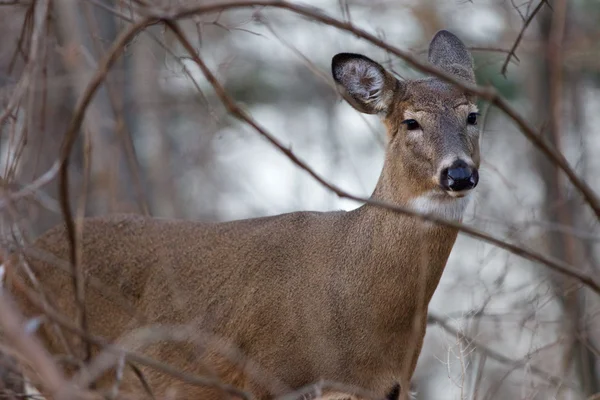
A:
(365, 84)
(448, 52)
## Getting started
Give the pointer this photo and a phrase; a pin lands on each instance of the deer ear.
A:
(449, 53)
(365, 84)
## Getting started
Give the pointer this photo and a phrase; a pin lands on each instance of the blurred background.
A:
(157, 140)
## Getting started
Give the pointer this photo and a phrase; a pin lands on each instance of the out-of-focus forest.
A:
(156, 139)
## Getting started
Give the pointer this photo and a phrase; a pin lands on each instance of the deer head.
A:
(433, 149)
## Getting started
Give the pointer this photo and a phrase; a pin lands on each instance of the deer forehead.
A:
(460, 110)
(433, 95)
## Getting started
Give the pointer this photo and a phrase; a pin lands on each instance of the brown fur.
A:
(305, 296)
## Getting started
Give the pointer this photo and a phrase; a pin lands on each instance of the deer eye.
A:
(411, 124)
(472, 119)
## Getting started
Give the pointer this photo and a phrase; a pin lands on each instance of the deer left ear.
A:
(365, 84)
(449, 53)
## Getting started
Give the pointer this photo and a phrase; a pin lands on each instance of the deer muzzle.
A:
(459, 177)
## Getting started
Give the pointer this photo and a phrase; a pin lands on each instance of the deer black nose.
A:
(459, 176)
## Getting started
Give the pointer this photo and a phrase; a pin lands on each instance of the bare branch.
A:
(237, 112)
(526, 23)
(118, 46)
(13, 328)
(33, 187)
(118, 351)
(443, 323)
(488, 94)
(113, 53)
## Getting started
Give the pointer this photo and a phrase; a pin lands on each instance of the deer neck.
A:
(407, 251)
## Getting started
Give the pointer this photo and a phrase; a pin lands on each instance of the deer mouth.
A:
(443, 194)
(458, 195)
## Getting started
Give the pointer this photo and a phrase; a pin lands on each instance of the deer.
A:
(302, 297)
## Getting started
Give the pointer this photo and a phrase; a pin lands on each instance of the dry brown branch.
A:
(118, 47)
(69, 141)
(118, 351)
(13, 328)
(247, 118)
(237, 112)
(112, 353)
(137, 339)
(488, 94)
(113, 293)
(526, 23)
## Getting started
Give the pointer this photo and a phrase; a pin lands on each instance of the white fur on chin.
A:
(444, 206)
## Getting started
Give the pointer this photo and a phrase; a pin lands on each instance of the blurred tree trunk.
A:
(589, 329)
(561, 209)
(114, 185)
(31, 137)
(150, 120)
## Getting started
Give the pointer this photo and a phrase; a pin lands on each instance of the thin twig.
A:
(33, 187)
(443, 323)
(526, 23)
(39, 17)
